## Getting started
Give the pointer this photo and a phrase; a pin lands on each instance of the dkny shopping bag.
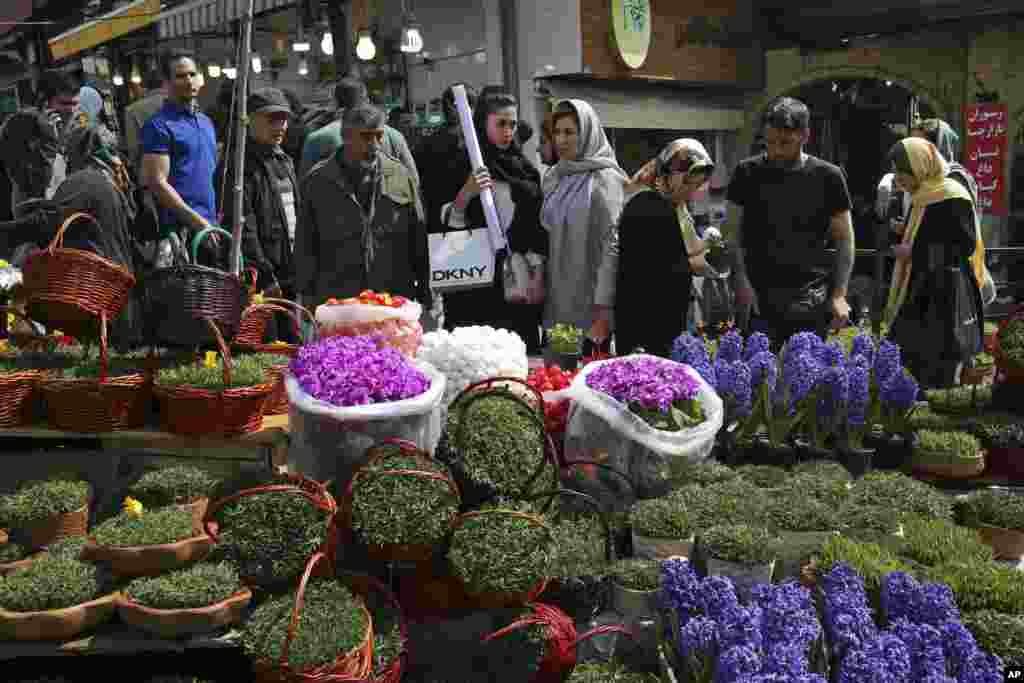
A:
(460, 259)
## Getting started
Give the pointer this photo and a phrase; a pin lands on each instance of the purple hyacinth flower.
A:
(756, 343)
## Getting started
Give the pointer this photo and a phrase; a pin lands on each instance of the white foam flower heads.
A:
(470, 354)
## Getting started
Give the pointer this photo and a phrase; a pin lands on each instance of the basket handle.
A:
(389, 595)
(589, 500)
(225, 354)
(213, 230)
(104, 354)
(58, 239)
(292, 309)
(300, 598)
(324, 501)
(299, 309)
(491, 380)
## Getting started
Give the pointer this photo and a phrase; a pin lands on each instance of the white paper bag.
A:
(460, 259)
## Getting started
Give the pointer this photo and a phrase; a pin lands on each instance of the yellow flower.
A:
(279, 343)
(5, 346)
(257, 298)
(57, 333)
(11, 320)
(211, 359)
(132, 507)
(4, 264)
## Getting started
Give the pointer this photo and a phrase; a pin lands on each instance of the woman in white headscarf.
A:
(658, 250)
(583, 196)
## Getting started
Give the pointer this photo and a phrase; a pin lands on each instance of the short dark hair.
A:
(153, 79)
(363, 115)
(172, 57)
(787, 113)
(350, 92)
(55, 82)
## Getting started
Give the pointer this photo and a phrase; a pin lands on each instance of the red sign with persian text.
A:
(986, 143)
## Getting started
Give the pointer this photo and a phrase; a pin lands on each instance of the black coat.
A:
(653, 285)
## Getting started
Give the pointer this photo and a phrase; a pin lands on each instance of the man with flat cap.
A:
(270, 195)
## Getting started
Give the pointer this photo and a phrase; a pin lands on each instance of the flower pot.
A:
(633, 604)
(42, 533)
(857, 461)
(148, 560)
(743, 576)
(892, 451)
(1007, 544)
(562, 359)
(655, 548)
(947, 466)
(581, 597)
(762, 452)
(806, 451)
(176, 623)
(56, 624)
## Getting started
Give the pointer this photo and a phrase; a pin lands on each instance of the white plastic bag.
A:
(330, 443)
(603, 430)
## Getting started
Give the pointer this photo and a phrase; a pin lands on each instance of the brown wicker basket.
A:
(47, 531)
(255, 319)
(395, 552)
(354, 666)
(942, 466)
(362, 584)
(68, 289)
(178, 623)
(57, 624)
(1006, 544)
(501, 599)
(148, 560)
(103, 404)
(18, 388)
(231, 412)
(198, 509)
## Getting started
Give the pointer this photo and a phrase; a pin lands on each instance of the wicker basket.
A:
(57, 624)
(1013, 372)
(501, 599)
(148, 560)
(354, 666)
(943, 466)
(394, 552)
(231, 412)
(179, 300)
(47, 531)
(198, 509)
(18, 388)
(69, 289)
(255, 319)
(178, 623)
(363, 585)
(103, 404)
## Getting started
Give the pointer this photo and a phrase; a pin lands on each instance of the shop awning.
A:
(651, 106)
(209, 15)
(132, 17)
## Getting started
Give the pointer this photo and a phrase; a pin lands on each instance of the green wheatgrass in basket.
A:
(734, 501)
(981, 585)
(902, 494)
(152, 527)
(332, 624)
(578, 547)
(40, 500)
(271, 534)
(801, 513)
(870, 560)
(404, 509)
(956, 445)
(740, 544)
(959, 399)
(245, 372)
(171, 485)
(118, 365)
(829, 490)
(500, 441)
(764, 476)
(200, 585)
(501, 553)
(822, 469)
(636, 574)
(998, 634)
(994, 508)
(934, 542)
(866, 517)
(69, 548)
(1011, 341)
(11, 552)
(683, 472)
(661, 518)
(49, 583)
(602, 672)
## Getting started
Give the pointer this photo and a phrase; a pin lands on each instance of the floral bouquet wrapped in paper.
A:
(637, 413)
(395, 318)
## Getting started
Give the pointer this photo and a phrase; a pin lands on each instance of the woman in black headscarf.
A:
(515, 183)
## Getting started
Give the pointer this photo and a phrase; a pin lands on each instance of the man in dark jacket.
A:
(270, 196)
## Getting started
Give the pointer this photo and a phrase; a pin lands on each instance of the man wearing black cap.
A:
(269, 200)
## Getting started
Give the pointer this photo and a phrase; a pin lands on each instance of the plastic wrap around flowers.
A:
(354, 371)
(651, 388)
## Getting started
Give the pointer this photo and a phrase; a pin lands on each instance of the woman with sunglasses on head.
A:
(658, 251)
(515, 183)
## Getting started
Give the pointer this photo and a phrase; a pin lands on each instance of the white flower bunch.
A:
(472, 354)
(10, 278)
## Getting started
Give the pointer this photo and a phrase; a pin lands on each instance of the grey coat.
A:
(329, 237)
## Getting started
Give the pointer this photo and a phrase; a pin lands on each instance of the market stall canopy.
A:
(13, 11)
(122, 21)
(210, 15)
(651, 106)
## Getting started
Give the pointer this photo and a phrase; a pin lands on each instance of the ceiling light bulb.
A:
(412, 40)
(136, 76)
(118, 79)
(257, 64)
(303, 67)
(231, 72)
(300, 46)
(213, 70)
(365, 49)
(327, 44)
(888, 84)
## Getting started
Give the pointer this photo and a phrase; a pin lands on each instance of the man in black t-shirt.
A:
(784, 206)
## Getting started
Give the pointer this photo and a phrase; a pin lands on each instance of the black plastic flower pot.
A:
(561, 359)
(806, 451)
(762, 452)
(892, 451)
(858, 461)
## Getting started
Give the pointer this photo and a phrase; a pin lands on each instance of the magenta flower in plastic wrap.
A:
(354, 371)
(661, 392)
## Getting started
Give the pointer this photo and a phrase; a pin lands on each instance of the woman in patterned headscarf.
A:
(658, 249)
(934, 308)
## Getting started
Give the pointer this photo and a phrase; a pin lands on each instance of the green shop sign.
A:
(631, 30)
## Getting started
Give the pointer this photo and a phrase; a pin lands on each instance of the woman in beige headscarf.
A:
(658, 250)
(583, 195)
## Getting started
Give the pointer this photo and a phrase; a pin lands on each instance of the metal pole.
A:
(244, 63)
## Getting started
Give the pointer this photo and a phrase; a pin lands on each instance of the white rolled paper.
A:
(476, 161)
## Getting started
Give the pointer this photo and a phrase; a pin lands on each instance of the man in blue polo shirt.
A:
(179, 150)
